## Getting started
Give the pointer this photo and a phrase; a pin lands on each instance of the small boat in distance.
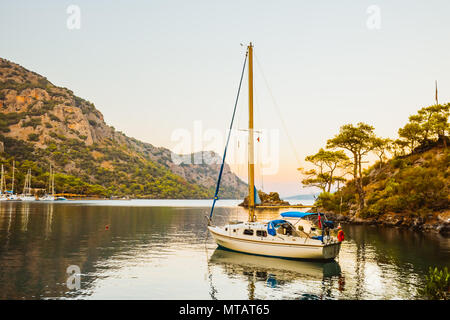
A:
(275, 238)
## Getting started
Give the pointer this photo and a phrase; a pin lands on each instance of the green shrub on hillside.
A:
(417, 186)
(33, 137)
(33, 122)
(54, 118)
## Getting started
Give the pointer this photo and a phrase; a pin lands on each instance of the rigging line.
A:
(228, 139)
(277, 109)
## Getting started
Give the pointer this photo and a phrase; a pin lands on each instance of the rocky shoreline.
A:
(438, 223)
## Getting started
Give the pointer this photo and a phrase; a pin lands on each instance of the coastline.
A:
(437, 223)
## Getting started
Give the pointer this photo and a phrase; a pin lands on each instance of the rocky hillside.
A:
(42, 124)
(411, 191)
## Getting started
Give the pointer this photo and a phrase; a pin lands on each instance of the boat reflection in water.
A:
(274, 272)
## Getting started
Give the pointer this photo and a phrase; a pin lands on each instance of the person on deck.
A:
(340, 234)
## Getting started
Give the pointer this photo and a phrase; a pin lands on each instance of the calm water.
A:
(157, 250)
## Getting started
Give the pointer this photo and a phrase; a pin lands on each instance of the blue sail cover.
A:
(297, 214)
(271, 226)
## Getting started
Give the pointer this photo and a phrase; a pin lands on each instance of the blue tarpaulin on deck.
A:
(272, 225)
(297, 214)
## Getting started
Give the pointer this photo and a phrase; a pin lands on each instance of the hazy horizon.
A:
(154, 67)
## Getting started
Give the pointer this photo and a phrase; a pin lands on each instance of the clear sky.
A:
(152, 67)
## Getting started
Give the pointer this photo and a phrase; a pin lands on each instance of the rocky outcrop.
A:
(271, 199)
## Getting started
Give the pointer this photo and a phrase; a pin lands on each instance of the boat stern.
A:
(331, 251)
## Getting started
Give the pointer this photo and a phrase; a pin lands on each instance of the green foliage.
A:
(17, 149)
(380, 147)
(9, 119)
(129, 176)
(400, 186)
(327, 164)
(438, 284)
(359, 140)
(54, 118)
(33, 122)
(429, 125)
(338, 202)
(412, 133)
(33, 137)
(41, 83)
(398, 163)
(416, 183)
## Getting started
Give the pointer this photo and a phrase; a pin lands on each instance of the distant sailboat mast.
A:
(12, 183)
(53, 181)
(26, 186)
(50, 179)
(1, 181)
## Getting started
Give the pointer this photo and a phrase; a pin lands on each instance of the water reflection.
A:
(160, 253)
(48, 212)
(273, 272)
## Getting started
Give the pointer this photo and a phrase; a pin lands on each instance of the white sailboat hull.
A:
(47, 198)
(13, 197)
(27, 198)
(274, 247)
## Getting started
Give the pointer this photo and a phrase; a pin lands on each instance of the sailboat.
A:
(275, 238)
(10, 193)
(50, 196)
(26, 194)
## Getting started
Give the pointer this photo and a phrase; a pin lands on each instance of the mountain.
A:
(42, 124)
(311, 196)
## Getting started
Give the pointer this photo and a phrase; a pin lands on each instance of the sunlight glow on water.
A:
(156, 249)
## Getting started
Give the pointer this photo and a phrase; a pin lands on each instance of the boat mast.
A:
(29, 182)
(50, 180)
(25, 184)
(53, 180)
(251, 163)
(1, 183)
(12, 186)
